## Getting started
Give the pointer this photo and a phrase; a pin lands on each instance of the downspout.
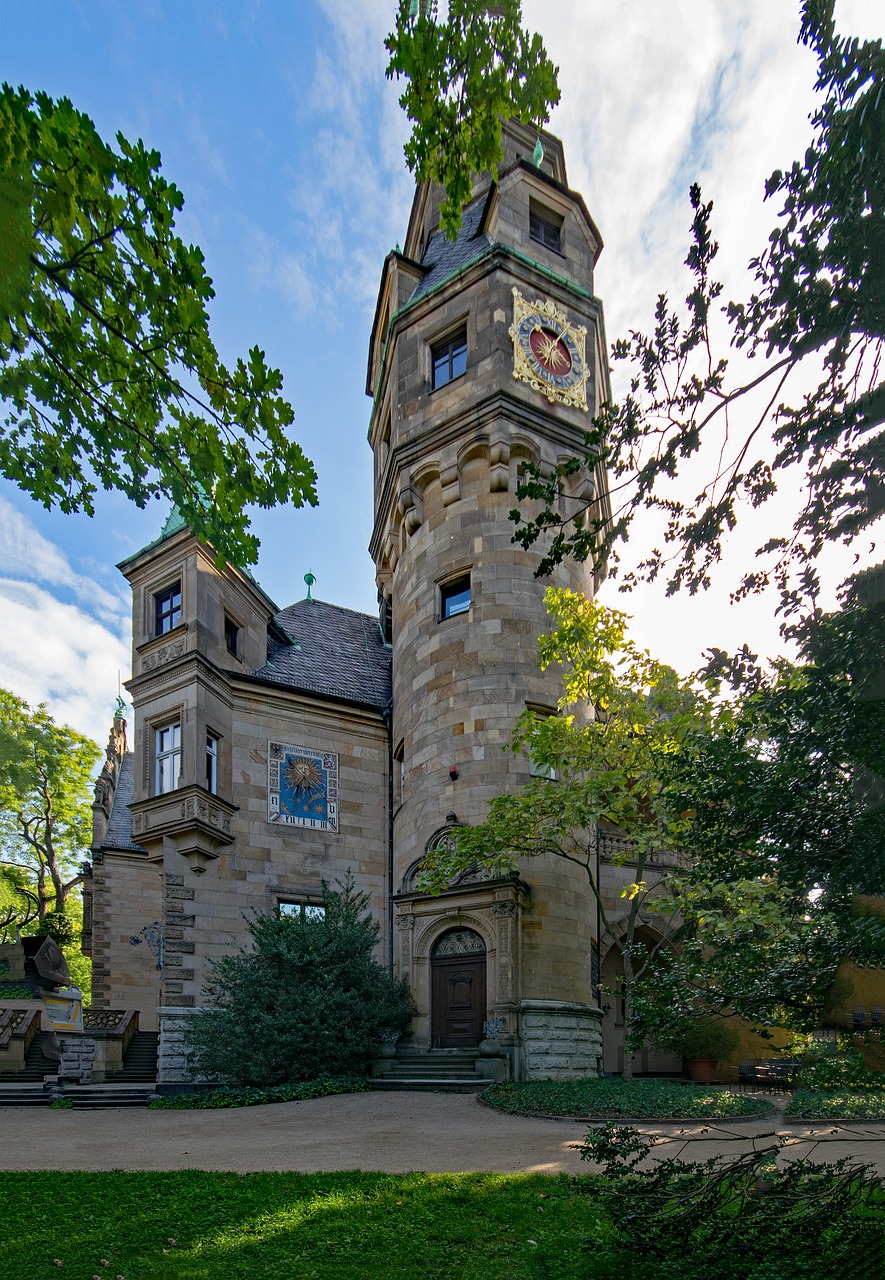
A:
(387, 715)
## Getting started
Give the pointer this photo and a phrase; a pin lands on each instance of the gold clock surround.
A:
(544, 343)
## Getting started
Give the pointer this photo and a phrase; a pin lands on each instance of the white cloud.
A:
(25, 553)
(56, 653)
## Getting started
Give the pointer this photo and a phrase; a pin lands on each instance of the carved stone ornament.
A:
(460, 942)
(161, 656)
(504, 909)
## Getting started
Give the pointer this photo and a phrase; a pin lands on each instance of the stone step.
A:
(89, 1098)
(422, 1084)
(24, 1096)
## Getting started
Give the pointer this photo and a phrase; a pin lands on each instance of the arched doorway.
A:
(457, 990)
(650, 1060)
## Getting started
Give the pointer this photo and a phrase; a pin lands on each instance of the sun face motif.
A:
(305, 777)
(550, 350)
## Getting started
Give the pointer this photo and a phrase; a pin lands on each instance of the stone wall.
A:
(77, 1058)
(172, 1067)
(562, 1040)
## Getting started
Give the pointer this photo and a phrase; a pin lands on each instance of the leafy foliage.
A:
(657, 1099)
(107, 371)
(837, 1104)
(828, 1066)
(464, 76)
(310, 999)
(45, 801)
(741, 1215)
(211, 1099)
(628, 717)
(816, 313)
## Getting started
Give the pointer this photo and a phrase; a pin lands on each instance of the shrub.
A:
(251, 1096)
(58, 926)
(830, 1067)
(660, 1099)
(309, 999)
(705, 1037)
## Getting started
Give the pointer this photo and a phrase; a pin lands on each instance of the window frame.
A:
(166, 620)
(213, 750)
(452, 345)
(232, 631)
(546, 220)
(305, 909)
(450, 590)
(163, 754)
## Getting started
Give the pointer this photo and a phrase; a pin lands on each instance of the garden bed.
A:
(253, 1096)
(837, 1104)
(621, 1100)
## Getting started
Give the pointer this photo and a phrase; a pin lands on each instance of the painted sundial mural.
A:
(302, 786)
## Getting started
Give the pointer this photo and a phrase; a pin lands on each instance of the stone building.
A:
(275, 748)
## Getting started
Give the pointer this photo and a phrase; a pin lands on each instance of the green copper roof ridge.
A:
(495, 247)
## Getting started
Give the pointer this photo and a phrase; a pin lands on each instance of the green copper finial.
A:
(538, 153)
(397, 248)
(310, 580)
(120, 709)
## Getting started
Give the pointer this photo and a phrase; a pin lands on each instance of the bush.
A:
(705, 1037)
(308, 1000)
(251, 1096)
(830, 1067)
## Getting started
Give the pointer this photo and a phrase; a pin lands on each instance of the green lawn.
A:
(621, 1099)
(286, 1226)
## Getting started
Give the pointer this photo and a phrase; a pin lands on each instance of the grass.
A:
(252, 1096)
(276, 1226)
(837, 1104)
(621, 1099)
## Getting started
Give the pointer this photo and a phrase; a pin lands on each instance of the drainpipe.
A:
(387, 715)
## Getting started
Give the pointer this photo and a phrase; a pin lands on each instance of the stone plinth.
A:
(562, 1040)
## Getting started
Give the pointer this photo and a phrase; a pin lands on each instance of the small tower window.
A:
(545, 227)
(231, 637)
(167, 609)
(454, 596)
(449, 359)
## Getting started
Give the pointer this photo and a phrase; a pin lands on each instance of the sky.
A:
(276, 121)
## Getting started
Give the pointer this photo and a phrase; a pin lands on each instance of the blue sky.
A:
(276, 122)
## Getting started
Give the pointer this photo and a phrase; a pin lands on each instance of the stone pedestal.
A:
(562, 1040)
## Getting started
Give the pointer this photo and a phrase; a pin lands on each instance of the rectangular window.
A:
(545, 226)
(167, 755)
(449, 359)
(454, 597)
(537, 770)
(231, 636)
(167, 609)
(302, 910)
(212, 764)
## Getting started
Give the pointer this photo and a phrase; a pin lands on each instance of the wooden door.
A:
(458, 1001)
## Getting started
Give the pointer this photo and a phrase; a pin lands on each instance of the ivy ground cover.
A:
(837, 1104)
(621, 1099)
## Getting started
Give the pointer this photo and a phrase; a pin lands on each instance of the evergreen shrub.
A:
(309, 999)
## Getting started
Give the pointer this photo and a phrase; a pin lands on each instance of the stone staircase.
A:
(140, 1062)
(439, 1071)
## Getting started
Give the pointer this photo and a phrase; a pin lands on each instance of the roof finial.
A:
(538, 153)
(310, 580)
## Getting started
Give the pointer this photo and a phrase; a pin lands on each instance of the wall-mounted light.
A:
(453, 772)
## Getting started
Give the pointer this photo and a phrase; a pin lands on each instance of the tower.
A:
(486, 353)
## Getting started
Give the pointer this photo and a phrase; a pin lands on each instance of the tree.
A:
(108, 375)
(309, 999)
(464, 77)
(45, 801)
(817, 313)
(625, 720)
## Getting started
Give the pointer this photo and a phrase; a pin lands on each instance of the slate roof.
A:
(443, 256)
(334, 652)
(119, 833)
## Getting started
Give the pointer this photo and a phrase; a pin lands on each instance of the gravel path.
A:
(392, 1133)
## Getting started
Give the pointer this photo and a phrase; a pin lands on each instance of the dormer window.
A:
(545, 227)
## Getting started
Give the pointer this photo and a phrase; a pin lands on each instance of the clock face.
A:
(548, 352)
(302, 787)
